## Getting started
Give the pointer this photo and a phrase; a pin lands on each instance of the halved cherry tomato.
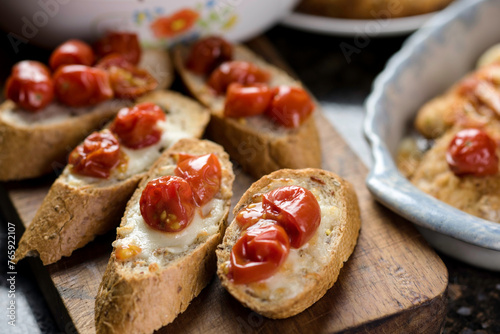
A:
(123, 43)
(242, 72)
(30, 85)
(290, 106)
(72, 52)
(127, 80)
(472, 152)
(243, 101)
(137, 127)
(258, 253)
(250, 215)
(167, 204)
(80, 85)
(207, 53)
(203, 173)
(97, 156)
(296, 209)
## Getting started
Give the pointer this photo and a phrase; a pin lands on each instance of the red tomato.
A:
(30, 85)
(167, 204)
(127, 80)
(79, 85)
(258, 253)
(137, 127)
(243, 101)
(472, 152)
(72, 52)
(97, 156)
(203, 173)
(250, 215)
(207, 53)
(236, 71)
(123, 43)
(296, 209)
(290, 106)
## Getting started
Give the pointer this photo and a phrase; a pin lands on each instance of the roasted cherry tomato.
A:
(208, 53)
(79, 85)
(243, 101)
(72, 52)
(290, 106)
(203, 173)
(258, 253)
(97, 156)
(296, 209)
(30, 85)
(123, 43)
(250, 215)
(127, 80)
(167, 204)
(137, 127)
(472, 152)
(236, 71)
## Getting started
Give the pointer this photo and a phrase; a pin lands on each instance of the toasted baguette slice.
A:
(34, 144)
(308, 272)
(77, 208)
(150, 290)
(258, 144)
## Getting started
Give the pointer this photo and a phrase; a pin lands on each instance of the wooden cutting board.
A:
(393, 282)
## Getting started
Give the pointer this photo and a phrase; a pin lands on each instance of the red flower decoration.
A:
(175, 24)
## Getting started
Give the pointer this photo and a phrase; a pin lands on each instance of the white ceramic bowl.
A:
(158, 22)
(431, 61)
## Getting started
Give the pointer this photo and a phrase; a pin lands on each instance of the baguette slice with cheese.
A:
(34, 144)
(258, 144)
(77, 208)
(148, 291)
(309, 271)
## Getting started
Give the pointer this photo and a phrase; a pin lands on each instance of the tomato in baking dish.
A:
(290, 106)
(238, 71)
(126, 79)
(123, 43)
(203, 173)
(258, 253)
(167, 204)
(208, 53)
(244, 101)
(472, 152)
(137, 127)
(30, 85)
(72, 52)
(97, 156)
(80, 85)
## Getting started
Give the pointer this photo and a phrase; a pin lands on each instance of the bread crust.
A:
(141, 301)
(256, 143)
(72, 215)
(314, 284)
(370, 9)
(29, 150)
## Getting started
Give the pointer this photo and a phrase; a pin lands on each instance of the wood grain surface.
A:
(393, 282)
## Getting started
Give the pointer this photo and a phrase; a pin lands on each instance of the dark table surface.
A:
(341, 82)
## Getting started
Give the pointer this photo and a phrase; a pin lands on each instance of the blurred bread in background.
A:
(370, 9)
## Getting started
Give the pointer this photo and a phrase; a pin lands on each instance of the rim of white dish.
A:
(352, 27)
(383, 164)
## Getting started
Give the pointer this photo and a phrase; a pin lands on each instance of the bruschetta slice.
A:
(164, 254)
(90, 195)
(46, 136)
(258, 142)
(293, 230)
